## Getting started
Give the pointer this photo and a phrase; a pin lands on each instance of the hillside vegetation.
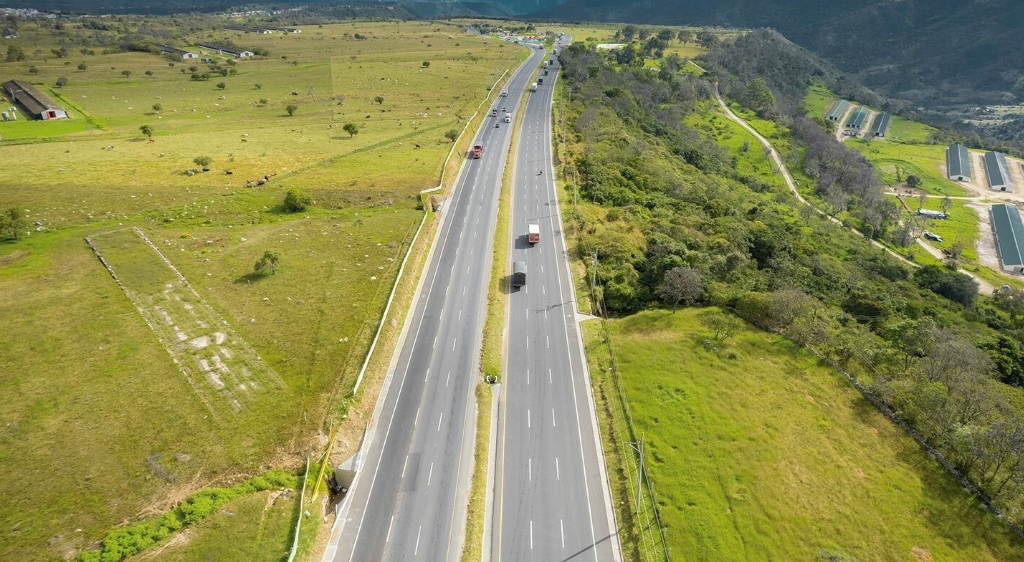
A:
(681, 209)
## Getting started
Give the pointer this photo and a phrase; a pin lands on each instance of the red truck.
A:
(478, 151)
(533, 234)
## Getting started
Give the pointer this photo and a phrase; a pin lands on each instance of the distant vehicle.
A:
(932, 236)
(508, 117)
(545, 72)
(540, 81)
(533, 233)
(478, 151)
(551, 62)
(504, 93)
(494, 112)
(533, 87)
(519, 274)
(497, 125)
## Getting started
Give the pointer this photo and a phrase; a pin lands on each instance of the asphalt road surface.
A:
(551, 500)
(409, 500)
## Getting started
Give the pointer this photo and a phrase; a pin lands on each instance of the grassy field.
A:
(960, 226)
(758, 452)
(752, 160)
(818, 101)
(922, 160)
(93, 389)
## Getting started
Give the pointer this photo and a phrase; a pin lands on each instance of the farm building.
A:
(837, 111)
(34, 101)
(177, 53)
(998, 171)
(857, 119)
(881, 126)
(1009, 237)
(238, 52)
(287, 29)
(10, 33)
(958, 163)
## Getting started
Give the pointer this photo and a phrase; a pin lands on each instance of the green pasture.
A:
(924, 161)
(758, 451)
(961, 224)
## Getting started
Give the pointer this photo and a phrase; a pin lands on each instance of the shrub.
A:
(296, 202)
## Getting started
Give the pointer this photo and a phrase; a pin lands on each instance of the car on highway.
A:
(519, 274)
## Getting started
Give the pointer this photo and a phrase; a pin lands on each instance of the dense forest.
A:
(670, 218)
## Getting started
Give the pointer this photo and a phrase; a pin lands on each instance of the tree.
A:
(258, 86)
(947, 204)
(157, 107)
(290, 109)
(666, 35)
(680, 284)
(221, 85)
(82, 66)
(204, 162)
(629, 32)
(379, 100)
(913, 181)
(12, 224)
(148, 131)
(723, 326)
(643, 34)
(15, 54)
(267, 264)
(351, 129)
(296, 202)
(759, 97)
(684, 36)
(451, 134)
(61, 82)
(426, 64)
(126, 73)
(149, 73)
(706, 39)
(33, 69)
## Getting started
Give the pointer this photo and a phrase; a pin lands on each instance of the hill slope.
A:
(936, 52)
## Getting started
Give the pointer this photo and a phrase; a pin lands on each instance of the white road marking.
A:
(417, 420)
(464, 291)
(417, 549)
(446, 379)
(527, 376)
(529, 468)
(531, 534)
(553, 424)
(558, 473)
(460, 315)
(441, 417)
(527, 342)
(543, 290)
(549, 376)
(561, 528)
(545, 314)
(392, 524)
(430, 474)
(542, 269)
(527, 417)
(548, 339)
(453, 343)
(405, 465)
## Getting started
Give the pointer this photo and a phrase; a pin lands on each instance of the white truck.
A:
(533, 87)
(533, 233)
(508, 117)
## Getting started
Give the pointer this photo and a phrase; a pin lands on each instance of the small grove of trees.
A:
(451, 134)
(352, 129)
(12, 224)
(267, 264)
(15, 54)
(146, 130)
(291, 109)
(61, 82)
(296, 202)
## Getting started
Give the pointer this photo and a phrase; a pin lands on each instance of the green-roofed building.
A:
(837, 111)
(881, 125)
(998, 171)
(958, 163)
(857, 119)
(1009, 237)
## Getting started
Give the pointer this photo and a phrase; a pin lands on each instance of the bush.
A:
(296, 202)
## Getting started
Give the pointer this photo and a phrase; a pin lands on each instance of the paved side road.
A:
(552, 500)
(409, 499)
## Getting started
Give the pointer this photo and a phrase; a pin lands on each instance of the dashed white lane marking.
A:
(548, 339)
(529, 468)
(527, 376)
(430, 474)
(404, 466)
(446, 379)
(441, 417)
(527, 417)
(454, 342)
(416, 551)
(561, 528)
(549, 376)
(553, 424)
(531, 535)
(392, 524)
(558, 473)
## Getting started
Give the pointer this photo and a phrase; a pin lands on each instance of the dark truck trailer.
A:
(519, 274)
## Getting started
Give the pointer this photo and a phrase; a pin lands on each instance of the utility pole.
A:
(640, 474)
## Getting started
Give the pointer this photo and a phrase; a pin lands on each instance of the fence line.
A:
(302, 507)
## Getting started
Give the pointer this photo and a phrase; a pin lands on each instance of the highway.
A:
(409, 499)
(552, 501)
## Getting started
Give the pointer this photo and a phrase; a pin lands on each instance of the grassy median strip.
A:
(492, 352)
